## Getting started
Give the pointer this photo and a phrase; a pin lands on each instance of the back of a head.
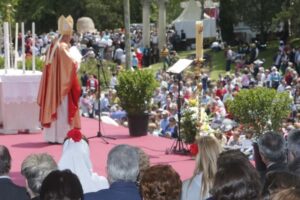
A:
(287, 194)
(232, 156)
(123, 164)
(272, 147)
(294, 167)
(236, 178)
(280, 180)
(61, 185)
(206, 161)
(294, 144)
(160, 182)
(35, 168)
(5, 160)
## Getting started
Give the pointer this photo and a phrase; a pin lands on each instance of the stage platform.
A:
(21, 145)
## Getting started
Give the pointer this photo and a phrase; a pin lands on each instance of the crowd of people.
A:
(219, 174)
(249, 72)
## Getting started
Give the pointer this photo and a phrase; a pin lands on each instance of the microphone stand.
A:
(99, 133)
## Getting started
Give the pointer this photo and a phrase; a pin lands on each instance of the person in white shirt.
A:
(76, 157)
(199, 185)
(281, 87)
(229, 58)
(113, 81)
(118, 55)
(104, 103)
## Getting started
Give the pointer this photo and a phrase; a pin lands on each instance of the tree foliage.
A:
(105, 13)
(260, 109)
(7, 10)
(227, 19)
(173, 10)
(258, 14)
(290, 12)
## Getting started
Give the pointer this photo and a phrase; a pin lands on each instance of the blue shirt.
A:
(164, 124)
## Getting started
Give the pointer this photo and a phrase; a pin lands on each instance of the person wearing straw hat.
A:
(59, 90)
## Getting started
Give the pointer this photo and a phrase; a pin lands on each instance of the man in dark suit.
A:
(122, 172)
(9, 190)
(35, 168)
(294, 145)
(272, 151)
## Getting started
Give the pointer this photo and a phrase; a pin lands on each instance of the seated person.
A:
(104, 103)
(8, 189)
(118, 114)
(122, 172)
(164, 121)
(234, 140)
(35, 169)
(152, 123)
(246, 142)
(171, 129)
(76, 157)
(160, 182)
(61, 185)
(85, 105)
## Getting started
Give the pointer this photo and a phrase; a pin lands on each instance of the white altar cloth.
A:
(18, 101)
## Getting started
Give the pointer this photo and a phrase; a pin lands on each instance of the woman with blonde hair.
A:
(198, 186)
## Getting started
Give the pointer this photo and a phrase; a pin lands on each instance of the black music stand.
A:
(178, 146)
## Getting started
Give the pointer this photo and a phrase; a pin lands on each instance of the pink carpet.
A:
(21, 145)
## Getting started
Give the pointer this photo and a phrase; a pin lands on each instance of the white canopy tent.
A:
(188, 17)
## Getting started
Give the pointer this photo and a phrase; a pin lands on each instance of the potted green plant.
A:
(260, 110)
(135, 89)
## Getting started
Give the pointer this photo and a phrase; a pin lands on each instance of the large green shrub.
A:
(260, 109)
(135, 89)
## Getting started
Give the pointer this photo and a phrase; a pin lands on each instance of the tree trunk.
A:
(127, 33)
(202, 7)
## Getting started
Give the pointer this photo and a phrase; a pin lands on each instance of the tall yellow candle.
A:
(199, 40)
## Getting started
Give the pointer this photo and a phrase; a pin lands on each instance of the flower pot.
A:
(138, 124)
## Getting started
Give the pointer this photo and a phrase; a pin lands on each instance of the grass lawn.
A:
(218, 59)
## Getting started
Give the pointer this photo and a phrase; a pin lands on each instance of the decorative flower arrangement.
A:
(75, 135)
(189, 126)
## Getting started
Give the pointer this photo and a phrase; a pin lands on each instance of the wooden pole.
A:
(23, 47)
(127, 33)
(16, 46)
(33, 47)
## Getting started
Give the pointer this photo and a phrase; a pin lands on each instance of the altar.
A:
(19, 111)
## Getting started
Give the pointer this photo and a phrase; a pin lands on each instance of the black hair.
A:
(60, 185)
(272, 146)
(5, 160)
(236, 178)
